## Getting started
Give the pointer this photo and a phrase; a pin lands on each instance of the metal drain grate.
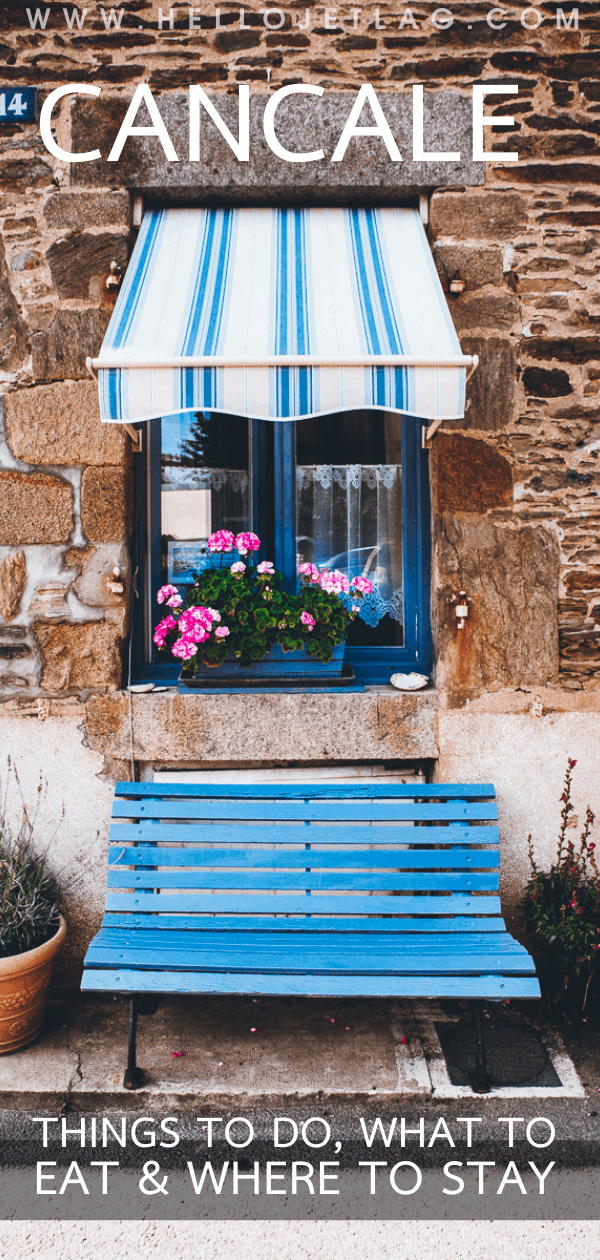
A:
(514, 1055)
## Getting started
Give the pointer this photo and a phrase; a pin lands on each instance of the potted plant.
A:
(32, 931)
(235, 621)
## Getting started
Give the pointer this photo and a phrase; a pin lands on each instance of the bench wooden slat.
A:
(325, 811)
(318, 963)
(289, 833)
(315, 881)
(248, 903)
(395, 859)
(306, 791)
(488, 987)
(417, 943)
(208, 923)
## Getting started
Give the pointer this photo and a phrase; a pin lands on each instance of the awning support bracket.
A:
(136, 437)
(428, 434)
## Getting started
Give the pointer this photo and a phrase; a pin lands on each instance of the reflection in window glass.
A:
(349, 511)
(204, 487)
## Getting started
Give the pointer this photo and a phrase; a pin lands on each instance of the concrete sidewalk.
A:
(278, 1240)
(340, 1060)
(258, 1049)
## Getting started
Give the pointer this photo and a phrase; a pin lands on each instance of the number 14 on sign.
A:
(17, 104)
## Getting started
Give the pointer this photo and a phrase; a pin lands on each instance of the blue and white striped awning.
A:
(281, 314)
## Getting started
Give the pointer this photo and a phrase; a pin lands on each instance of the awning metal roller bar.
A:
(282, 360)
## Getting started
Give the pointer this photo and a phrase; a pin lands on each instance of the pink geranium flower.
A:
(222, 540)
(342, 581)
(307, 620)
(193, 617)
(335, 582)
(162, 629)
(196, 623)
(362, 584)
(199, 634)
(309, 571)
(184, 648)
(169, 595)
(221, 632)
(238, 568)
(246, 542)
(265, 567)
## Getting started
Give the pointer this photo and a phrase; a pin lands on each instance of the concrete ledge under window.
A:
(378, 725)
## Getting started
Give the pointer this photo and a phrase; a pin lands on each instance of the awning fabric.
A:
(280, 314)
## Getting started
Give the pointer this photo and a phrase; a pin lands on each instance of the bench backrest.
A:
(302, 856)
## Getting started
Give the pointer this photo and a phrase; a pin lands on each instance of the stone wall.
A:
(515, 485)
(65, 521)
(530, 310)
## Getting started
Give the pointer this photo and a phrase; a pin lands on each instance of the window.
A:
(346, 491)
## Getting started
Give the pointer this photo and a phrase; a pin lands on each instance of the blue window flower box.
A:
(276, 667)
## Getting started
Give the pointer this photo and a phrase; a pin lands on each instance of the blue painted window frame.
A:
(372, 665)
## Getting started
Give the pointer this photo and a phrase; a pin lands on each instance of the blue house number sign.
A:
(17, 104)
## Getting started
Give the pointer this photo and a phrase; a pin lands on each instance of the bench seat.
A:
(355, 890)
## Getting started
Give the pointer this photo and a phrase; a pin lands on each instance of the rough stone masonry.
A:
(516, 512)
(518, 486)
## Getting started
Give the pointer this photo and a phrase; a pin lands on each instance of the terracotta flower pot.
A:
(24, 983)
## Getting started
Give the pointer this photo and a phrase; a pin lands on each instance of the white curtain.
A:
(182, 477)
(349, 516)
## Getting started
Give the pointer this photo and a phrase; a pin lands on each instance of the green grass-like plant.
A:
(29, 894)
(561, 908)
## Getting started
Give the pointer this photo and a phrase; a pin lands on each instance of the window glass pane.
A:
(204, 486)
(349, 511)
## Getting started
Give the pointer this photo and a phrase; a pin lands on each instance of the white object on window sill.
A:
(140, 688)
(409, 682)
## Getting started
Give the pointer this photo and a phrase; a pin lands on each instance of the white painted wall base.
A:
(525, 758)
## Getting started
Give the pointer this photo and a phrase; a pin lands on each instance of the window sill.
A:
(375, 724)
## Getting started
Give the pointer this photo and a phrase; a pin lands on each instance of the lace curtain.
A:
(349, 516)
(175, 477)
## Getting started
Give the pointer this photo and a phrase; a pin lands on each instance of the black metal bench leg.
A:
(479, 1081)
(134, 1076)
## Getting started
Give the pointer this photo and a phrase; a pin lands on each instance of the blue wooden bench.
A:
(357, 890)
